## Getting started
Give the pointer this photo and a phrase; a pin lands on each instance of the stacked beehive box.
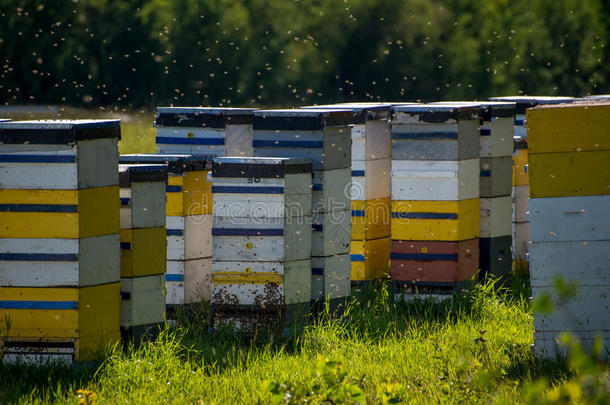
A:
(143, 249)
(59, 239)
(495, 233)
(435, 196)
(323, 136)
(520, 190)
(204, 131)
(189, 225)
(370, 189)
(261, 269)
(569, 161)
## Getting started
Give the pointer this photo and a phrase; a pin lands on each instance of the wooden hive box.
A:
(143, 248)
(370, 259)
(321, 135)
(495, 217)
(59, 238)
(495, 255)
(331, 190)
(331, 278)
(262, 239)
(211, 131)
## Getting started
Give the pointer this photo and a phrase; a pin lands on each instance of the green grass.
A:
(473, 349)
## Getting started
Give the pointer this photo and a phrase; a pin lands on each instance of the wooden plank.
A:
(435, 180)
(331, 190)
(143, 252)
(587, 311)
(521, 240)
(331, 233)
(250, 239)
(371, 219)
(371, 141)
(436, 262)
(198, 236)
(497, 137)
(564, 174)
(496, 176)
(205, 141)
(143, 205)
(570, 219)
(335, 272)
(370, 259)
(371, 179)
(569, 128)
(520, 199)
(174, 282)
(435, 220)
(59, 262)
(96, 213)
(97, 163)
(495, 217)
(142, 300)
(547, 344)
(436, 141)
(584, 263)
(238, 140)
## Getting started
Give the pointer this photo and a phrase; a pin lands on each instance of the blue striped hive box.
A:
(261, 238)
(434, 180)
(435, 132)
(324, 136)
(212, 131)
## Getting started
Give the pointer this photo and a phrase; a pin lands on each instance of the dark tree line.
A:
(136, 53)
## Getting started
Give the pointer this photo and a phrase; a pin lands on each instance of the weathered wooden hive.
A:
(212, 131)
(324, 136)
(569, 162)
(189, 225)
(370, 188)
(143, 249)
(261, 271)
(520, 190)
(59, 239)
(435, 196)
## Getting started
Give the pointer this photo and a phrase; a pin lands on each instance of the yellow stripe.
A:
(520, 162)
(574, 127)
(569, 174)
(39, 294)
(240, 277)
(197, 193)
(60, 197)
(376, 259)
(465, 227)
(97, 214)
(376, 220)
(148, 252)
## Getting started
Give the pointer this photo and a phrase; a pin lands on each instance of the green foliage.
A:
(135, 53)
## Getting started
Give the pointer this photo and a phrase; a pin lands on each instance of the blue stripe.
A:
(37, 208)
(424, 215)
(317, 227)
(357, 258)
(287, 144)
(189, 141)
(125, 201)
(358, 213)
(519, 122)
(317, 272)
(485, 131)
(173, 189)
(425, 135)
(125, 246)
(423, 256)
(357, 173)
(485, 173)
(175, 232)
(174, 277)
(246, 232)
(37, 159)
(39, 257)
(39, 304)
(247, 190)
(317, 187)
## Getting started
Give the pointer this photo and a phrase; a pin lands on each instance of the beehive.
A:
(211, 131)
(322, 135)
(369, 189)
(261, 240)
(188, 224)
(520, 190)
(435, 195)
(143, 249)
(569, 147)
(59, 239)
